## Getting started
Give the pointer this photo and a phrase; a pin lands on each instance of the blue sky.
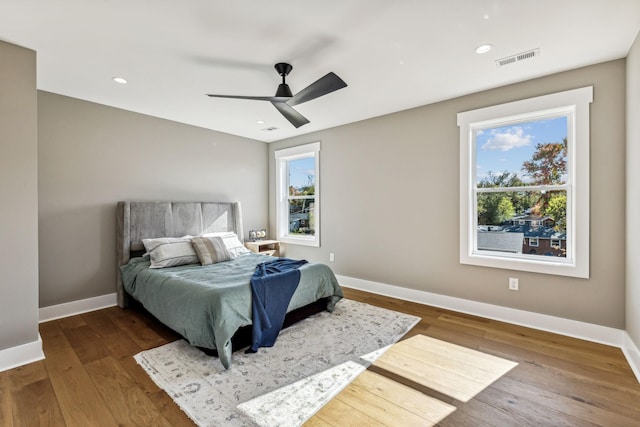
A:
(300, 170)
(506, 148)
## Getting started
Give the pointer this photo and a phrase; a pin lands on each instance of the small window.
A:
(527, 159)
(555, 243)
(298, 195)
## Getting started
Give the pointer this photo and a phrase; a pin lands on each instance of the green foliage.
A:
(494, 208)
(557, 209)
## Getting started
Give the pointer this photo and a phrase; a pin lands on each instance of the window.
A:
(527, 163)
(298, 194)
(555, 243)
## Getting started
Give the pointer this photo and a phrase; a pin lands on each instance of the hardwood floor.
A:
(89, 377)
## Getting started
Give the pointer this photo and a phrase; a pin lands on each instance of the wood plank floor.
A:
(89, 377)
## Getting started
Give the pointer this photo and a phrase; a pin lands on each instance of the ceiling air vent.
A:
(269, 129)
(517, 57)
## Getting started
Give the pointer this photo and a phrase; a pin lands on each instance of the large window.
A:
(524, 188)
(298, 194)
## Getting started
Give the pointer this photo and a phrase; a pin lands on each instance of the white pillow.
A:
(170, 251)
(231, 241)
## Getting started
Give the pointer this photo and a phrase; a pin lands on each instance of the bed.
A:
(206, 304)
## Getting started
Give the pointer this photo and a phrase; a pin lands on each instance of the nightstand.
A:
(264, 247)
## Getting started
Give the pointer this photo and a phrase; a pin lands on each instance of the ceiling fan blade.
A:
(290, 114)
(253, 98)
(324, 85)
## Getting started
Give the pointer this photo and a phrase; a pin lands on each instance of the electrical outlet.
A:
(513, 283)
(332, 257)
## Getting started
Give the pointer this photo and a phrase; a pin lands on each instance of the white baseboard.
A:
(632, 354)
(559, 325)
(21, 355)
(54, 312)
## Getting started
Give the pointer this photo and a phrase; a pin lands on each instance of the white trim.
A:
(632, 353)
(572, 328)
(21, 355)
(72, 308)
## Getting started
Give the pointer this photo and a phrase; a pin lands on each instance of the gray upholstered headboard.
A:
(145, 220)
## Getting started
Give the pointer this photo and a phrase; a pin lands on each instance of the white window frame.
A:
(282, 191)
(556, 243)
(534, 242)
(575, 104)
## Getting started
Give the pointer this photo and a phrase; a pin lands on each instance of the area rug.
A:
(317, 357)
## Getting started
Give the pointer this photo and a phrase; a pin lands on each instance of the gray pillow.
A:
(210, 250)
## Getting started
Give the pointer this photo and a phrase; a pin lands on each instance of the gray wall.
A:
(91, 156)
(633, 192)
(390, 205)
(19, 195)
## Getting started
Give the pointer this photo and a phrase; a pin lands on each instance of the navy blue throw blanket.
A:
(272, 286)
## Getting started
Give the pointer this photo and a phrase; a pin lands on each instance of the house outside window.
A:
(298, 194)
(524, 169)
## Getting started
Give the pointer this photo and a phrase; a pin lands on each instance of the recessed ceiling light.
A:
(483, 48)
(120, 80)
(260, 122)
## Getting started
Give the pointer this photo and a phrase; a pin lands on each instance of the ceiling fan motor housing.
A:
(283, 91)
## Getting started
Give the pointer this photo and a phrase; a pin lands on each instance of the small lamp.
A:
(257, 234)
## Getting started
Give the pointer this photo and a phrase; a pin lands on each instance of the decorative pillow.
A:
(210, 250)
(231, 241)
(170, 251)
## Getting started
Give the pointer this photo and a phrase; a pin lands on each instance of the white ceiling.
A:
(394, 55)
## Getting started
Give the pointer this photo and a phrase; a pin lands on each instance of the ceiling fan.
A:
(284, 100)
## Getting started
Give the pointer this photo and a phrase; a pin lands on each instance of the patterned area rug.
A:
(284, 385)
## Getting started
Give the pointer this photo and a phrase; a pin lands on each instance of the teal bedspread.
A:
(208, 304)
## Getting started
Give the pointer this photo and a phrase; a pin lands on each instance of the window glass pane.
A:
(529, 153)
(301, 217)
(302, 176)
(523, 222)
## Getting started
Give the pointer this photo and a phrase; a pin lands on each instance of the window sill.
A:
(300, 240)
(559, 266)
